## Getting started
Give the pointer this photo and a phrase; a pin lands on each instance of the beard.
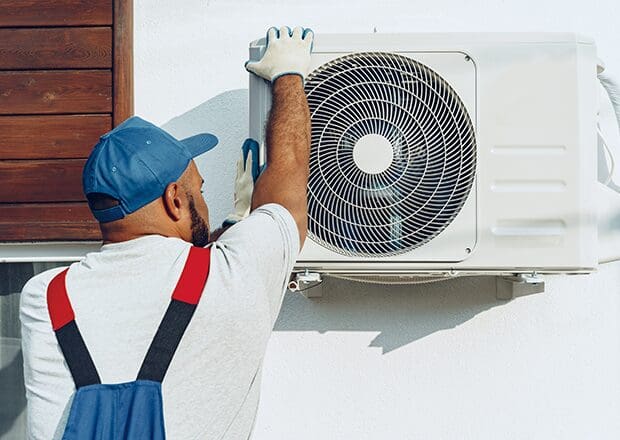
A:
(200, 229)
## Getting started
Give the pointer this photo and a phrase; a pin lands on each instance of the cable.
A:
(613, 91)
(612, 162)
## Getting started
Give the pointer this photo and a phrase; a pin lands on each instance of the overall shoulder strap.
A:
(185, 298)
(68, 335)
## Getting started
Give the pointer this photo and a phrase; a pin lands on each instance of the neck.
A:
(114, 235)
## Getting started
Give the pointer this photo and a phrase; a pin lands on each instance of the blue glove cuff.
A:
(228, 223)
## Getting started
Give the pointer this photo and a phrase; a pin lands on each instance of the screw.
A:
(467, 58)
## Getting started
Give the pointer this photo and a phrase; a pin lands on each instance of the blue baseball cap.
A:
(135, 162)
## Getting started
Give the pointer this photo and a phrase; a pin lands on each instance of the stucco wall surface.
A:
(438, 361)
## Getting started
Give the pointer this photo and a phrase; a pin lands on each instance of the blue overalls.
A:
(132, 410)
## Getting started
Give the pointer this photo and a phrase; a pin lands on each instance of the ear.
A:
(173, 202)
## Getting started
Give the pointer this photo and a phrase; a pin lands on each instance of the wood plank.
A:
(123, 60)
(51, 137)
(41, 180)
(55, 13)
(46, 212)
(49, 231)
(47, 221)
(45, 92)
(75, 48)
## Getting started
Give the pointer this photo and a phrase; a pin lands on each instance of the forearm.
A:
(285, 178)
(288, 128)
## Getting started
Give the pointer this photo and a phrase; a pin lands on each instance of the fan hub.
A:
(373, 153)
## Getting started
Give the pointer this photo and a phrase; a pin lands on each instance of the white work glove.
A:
(247, 173)
(287, 53)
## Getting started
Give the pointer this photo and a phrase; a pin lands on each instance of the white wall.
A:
(440, 361)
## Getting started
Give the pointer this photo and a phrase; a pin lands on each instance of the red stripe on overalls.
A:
(194, 276)
(61, 312)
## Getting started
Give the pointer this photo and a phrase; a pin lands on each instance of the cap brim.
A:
(200, 143)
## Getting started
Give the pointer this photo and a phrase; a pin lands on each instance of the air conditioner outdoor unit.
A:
(451, 154)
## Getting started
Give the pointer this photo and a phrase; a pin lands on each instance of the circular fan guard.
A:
(388, 212)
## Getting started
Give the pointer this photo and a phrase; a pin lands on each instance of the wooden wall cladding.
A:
(14, 13)
(51, 136)
(64, 48)
(41, 180)
(35, 220)
(66, 78)
(49, 91)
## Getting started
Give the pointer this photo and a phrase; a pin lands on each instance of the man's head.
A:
(140, 180)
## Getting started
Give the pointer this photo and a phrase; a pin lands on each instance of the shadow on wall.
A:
(402, 313)
(226, 116)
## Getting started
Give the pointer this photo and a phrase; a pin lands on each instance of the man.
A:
(144, 188)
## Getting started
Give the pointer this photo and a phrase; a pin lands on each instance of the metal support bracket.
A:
(309, 284)
(507, 288)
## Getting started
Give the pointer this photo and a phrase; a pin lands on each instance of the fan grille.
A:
(385, 205)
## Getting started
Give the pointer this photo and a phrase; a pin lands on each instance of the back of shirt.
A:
(120, 295)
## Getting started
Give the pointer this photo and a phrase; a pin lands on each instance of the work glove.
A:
(248, 171)
(286, 53)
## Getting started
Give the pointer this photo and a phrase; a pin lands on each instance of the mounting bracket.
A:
(309, 284)
(507, 288)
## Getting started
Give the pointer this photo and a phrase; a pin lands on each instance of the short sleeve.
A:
(46, 376)
(265, 246)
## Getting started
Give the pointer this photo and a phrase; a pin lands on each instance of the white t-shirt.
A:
(119, 296)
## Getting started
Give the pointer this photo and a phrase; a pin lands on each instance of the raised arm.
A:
(285, 179)
(285, 63)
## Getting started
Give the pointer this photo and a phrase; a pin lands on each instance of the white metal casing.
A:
(533, 101)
